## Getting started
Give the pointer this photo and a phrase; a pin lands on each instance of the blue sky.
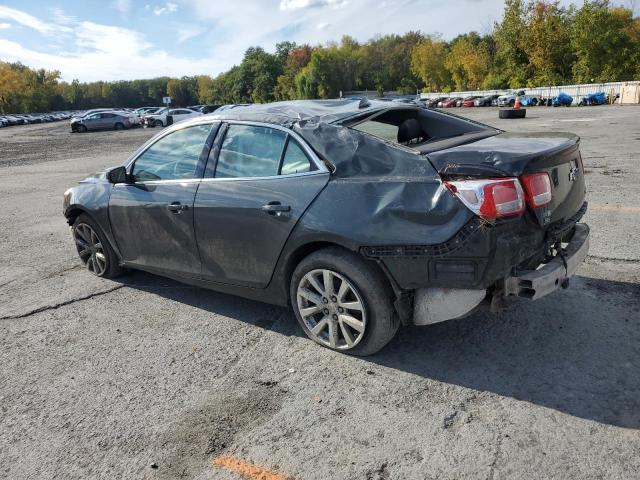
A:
(125, 39)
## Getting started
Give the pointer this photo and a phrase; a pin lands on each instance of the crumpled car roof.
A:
(289, 112)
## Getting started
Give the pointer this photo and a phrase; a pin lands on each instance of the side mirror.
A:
(118, 175)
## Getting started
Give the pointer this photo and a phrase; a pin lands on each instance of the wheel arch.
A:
(74, 211)
(306, 249)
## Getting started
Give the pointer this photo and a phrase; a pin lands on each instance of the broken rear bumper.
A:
(535, 284)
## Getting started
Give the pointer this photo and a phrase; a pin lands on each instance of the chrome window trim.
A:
(321, 167)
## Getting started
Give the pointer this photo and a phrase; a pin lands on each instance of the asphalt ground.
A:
(147, 378)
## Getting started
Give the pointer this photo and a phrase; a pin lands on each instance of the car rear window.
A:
(295, 160)
(381, 130)
(250, 151)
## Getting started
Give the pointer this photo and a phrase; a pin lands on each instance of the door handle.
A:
(275, 208)
(177, 207)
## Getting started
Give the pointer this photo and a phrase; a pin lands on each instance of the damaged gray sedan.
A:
(361, 215)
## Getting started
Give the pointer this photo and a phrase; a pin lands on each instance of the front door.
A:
(152, 217)
(250, 200)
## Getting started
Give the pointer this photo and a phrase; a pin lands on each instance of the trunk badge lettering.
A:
(573, 171)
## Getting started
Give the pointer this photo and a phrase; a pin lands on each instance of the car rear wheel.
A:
(93, 249)
(343, 303)
(118, 126)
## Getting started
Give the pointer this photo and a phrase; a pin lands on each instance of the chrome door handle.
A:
(177, 207)
(276, 208)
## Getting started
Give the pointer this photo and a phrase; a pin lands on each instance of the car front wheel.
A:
(343, 302)
(93, 249)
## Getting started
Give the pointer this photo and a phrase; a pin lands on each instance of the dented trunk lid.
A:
(516, 154)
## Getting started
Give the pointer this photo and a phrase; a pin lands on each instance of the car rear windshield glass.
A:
(250, 151)
(380, 130)
(173, 157)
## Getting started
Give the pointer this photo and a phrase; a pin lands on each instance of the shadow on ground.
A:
(576, 351)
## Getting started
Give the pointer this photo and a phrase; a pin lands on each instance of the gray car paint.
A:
(373, 205)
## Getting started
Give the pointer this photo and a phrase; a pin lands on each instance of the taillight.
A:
(538, 189)
(491, 198)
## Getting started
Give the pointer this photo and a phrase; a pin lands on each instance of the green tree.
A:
(183, 91)
(427, 62)
(546, 44)
(511, 59)
(602, 38)
(297, 59)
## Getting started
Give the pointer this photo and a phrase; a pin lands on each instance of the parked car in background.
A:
(486, 101)
(450, 102)
(159, 119)
(146, 110)
(469, 101)
(431, 217)
(509, 100)
(209, 108)
(433, 102)
(101, 121)
(14, 120)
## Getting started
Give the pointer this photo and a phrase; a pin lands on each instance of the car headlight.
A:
(66, 197)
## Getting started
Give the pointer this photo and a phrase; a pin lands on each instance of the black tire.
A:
(370, 288)
(82, 129)
(111, 267)
(158, 123)
(118, 126)
(512, 113)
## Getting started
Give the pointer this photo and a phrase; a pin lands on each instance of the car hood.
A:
(505, 154)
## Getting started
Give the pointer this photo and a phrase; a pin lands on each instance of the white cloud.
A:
(323, 25)
(167, 8)
(60, 17)
(188, 32)
(123, 6)
(5, 26)
(30, 21)
(302, 4)
(100, 52)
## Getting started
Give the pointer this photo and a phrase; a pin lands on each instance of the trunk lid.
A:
(513, 155)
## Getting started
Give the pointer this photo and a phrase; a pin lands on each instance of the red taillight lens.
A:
(492, 198)
(538, 188)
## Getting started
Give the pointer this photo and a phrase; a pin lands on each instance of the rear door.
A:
(259, 181)
(93, 121)
(152, 218)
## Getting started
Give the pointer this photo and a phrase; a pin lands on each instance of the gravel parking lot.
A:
(147, 378)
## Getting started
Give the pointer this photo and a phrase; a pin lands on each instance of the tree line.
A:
(536, 43)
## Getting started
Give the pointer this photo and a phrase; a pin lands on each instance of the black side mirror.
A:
(118, 175)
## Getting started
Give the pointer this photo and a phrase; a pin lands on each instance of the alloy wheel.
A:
(331, 309)
(90, 249)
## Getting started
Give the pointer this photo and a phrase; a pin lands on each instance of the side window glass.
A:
(295, 160)
(250, 151)
(173, 157)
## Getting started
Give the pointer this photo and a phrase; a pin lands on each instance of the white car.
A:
(159, 119)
